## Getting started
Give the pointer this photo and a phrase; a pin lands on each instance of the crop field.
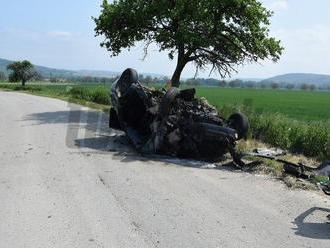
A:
(297, 121)
(299, 105)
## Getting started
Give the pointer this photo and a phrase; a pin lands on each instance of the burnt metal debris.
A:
(298, 170)
(173, 122)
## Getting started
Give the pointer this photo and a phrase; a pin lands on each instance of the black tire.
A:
(211, 141)
(214, 132)
(168, 99)
(113, 119)
(324, 169)
(240, 123)
(127, 78)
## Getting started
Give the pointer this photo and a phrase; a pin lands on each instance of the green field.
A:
(298, 105)
(297, 121)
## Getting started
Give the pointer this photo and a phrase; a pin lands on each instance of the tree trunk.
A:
(182, 61)
(177, 73)
(23, 83)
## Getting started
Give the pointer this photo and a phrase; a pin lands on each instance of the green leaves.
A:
(21, 71)
(222, 33)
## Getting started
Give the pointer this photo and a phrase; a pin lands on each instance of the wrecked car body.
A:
(173, 122)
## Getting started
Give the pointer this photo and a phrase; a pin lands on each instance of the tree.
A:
(312, 87)
(251, 84)
(21, 71)
(289, 86)
(220, 33)
(148, 80)
(2, 76)
(304, 86)
(192, 82)
(235, 83)
(165, 80)
(223, 83)
(274, 85)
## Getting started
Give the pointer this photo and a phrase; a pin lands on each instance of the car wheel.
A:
(113, 119)
(127, 78)
(214, 132)
(212, 141)
(240, 123)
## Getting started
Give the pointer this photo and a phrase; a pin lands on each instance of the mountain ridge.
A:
(289, 78)
(300, 78)
(49, 72)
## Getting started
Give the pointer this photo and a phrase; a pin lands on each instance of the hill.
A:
(291, 78)
(48, 72)
(44, 71)
(300, 78)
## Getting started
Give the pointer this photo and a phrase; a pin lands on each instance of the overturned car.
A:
(173, 122)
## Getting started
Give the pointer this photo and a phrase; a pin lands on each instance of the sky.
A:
(60, 34)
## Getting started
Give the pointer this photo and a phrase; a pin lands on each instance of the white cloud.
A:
(279, 5)
(59, 34)
(306, 50)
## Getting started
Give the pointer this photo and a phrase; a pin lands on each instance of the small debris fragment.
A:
(102, 180)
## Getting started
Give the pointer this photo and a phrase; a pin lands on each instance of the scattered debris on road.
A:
(299, 170)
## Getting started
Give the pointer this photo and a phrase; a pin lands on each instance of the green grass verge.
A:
(93, 96)
(310, 138)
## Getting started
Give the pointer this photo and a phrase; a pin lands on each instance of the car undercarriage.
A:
(173, 122)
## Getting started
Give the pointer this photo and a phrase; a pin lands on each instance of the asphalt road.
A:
(68, 181)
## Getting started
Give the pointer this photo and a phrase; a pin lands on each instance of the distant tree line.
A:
(81, 79)
(36, 76)
(238, 83)
(149, 80)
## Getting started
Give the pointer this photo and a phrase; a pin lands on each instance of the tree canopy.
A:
(221, 33)
(21, 71)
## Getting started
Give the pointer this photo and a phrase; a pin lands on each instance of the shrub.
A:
(80, 92)
(96, 94)
(309, 138)
(100, 95)
(316, 140)
(31, 88)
